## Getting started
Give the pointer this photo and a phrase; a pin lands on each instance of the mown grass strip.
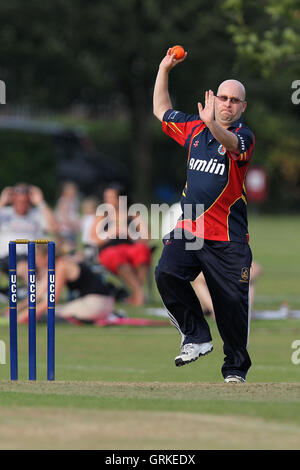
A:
(283, 412)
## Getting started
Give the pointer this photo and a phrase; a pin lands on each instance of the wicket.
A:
(13, 320)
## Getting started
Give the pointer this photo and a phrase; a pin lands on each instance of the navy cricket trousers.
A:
(226, 268)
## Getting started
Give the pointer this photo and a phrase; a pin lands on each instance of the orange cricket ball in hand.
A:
(178, 51)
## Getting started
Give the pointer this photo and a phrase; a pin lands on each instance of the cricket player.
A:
(219, 149)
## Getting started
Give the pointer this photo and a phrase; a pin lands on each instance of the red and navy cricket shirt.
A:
(215, 178)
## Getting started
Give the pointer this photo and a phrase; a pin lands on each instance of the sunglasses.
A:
(224, 98)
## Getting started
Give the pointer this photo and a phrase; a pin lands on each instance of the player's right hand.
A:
(169, 61)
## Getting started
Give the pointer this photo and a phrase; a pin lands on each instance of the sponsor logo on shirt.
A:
(207, 167)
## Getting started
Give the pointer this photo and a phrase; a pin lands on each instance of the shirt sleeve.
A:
(180, 126)
(246, 143)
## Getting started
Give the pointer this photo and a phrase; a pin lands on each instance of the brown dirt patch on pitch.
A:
(206, 391)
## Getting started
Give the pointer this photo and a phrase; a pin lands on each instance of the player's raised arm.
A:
(161, 97)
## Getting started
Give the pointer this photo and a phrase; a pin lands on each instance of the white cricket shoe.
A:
(191, 352)
(234, 379)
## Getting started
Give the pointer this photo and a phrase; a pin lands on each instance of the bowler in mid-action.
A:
(220, 148)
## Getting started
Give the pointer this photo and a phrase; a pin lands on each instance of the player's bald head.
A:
(226, 110)
(232, 87)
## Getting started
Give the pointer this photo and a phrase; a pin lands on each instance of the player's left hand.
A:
(207, 114)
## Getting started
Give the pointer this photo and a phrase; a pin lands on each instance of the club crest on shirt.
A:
(196, 143)
(221, 150)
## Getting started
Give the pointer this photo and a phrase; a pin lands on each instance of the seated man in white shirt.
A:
(23, 214)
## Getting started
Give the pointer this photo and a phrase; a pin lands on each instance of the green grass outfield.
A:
(118, 388)
(127, 375)
(275, 245)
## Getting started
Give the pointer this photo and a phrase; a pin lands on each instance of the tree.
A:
(267, 43)
(266, 34)
(105, 54)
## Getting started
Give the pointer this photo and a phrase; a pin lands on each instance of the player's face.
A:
(229, 104)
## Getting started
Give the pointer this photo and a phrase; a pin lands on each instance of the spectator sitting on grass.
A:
(23, 214)
(118, 252)
(95, 298)
(67, 213)
(88, 212)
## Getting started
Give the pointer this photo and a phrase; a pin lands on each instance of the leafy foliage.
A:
(103, 58)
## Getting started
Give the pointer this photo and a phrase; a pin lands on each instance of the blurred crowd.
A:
(98, 261)
(103, 256)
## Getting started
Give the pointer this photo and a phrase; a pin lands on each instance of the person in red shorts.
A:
(124, 256)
